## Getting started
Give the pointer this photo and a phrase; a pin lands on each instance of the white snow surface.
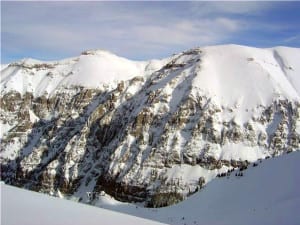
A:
(243, 78)
(234, 76)
(267, 194)
(29, 208)
(92, 69)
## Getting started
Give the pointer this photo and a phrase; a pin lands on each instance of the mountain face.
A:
(153, 131)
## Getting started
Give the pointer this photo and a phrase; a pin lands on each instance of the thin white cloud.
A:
(294, 38)
(57, 26)
(232, 7)
(130, 29)
(205, 31)
(228, 24)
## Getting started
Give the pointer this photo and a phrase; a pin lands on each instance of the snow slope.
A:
(28, 208)
(91, 69)
(233, 75)
(267, 194)
(243, 78)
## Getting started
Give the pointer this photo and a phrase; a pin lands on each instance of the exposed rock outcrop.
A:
(137, 140)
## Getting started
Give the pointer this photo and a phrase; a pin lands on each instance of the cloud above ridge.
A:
(137, 30)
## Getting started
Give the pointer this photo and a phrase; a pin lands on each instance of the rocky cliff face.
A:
(154, 139)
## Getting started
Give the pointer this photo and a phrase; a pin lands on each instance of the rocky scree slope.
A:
(152, 132)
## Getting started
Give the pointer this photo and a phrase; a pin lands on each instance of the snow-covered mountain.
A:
(153, 131)
(92, 69)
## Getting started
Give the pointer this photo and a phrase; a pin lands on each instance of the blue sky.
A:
(141, 30)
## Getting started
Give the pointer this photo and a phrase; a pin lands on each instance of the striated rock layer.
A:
(157, 134)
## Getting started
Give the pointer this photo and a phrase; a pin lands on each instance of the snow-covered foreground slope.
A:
(267, 194)
(29, 208)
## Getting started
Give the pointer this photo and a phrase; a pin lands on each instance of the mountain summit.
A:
(152, 131)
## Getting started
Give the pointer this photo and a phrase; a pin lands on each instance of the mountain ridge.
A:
(157, 136)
